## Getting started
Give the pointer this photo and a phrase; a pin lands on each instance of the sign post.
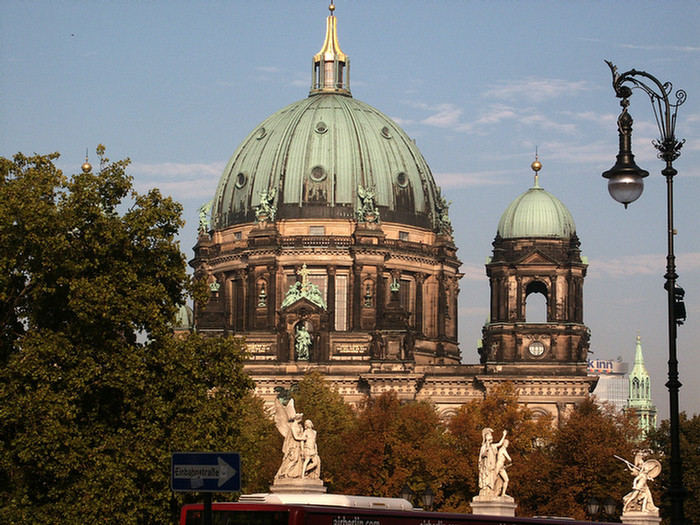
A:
(206, 472)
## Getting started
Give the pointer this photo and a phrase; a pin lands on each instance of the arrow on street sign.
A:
(206, 472)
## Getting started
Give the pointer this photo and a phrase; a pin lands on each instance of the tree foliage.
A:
(95, 392)
(660, 443)
(396, 444)
(582, 459)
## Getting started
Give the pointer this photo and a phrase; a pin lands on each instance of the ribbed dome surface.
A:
(313, 155)
(536, 213)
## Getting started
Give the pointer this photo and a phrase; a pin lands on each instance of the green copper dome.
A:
(536, 213)
(310, 159)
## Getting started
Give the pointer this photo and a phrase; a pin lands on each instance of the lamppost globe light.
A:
(625, 188)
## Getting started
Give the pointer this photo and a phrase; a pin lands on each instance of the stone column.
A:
(379, 295)
(271, 294)
(420, 279)
(441, 305)
(356, 296)
(330, 272)
(251, 301)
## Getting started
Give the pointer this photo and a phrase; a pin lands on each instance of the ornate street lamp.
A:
(625, 184)
(407, 493)
(427, 498)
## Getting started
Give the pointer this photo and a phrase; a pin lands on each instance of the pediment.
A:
(302, 303)
(536, 257)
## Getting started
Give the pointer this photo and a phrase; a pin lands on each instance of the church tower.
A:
(640, 392)
(536, 276)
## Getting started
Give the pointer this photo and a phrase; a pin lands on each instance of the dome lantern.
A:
(331, 67)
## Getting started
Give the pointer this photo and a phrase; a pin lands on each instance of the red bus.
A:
(332, 509)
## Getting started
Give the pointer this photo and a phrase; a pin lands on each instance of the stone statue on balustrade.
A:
(493, 477)
(639, 500)
(300, 470)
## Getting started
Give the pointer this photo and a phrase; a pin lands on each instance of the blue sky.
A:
(479, 85)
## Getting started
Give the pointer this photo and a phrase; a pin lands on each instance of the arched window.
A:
(536, 302)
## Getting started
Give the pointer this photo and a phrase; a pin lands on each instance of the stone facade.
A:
(331, 196)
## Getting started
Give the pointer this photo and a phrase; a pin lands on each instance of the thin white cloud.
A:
(202, 188)
(445, 116)
(681, 49)
(403, 121)
(473, 272)
(537, 89)
(642, 264)
(543, 122)
(470, 179)
(182, 181)
(177, 169)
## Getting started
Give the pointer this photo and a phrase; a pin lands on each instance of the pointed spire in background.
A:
(639, 397)
(331, 67)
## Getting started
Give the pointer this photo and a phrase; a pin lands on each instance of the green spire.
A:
(639, 397)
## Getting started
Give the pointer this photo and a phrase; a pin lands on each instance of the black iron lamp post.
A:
(625, 184)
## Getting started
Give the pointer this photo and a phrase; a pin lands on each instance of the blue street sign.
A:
(206, 472)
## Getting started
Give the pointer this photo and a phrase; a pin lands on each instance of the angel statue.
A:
(299, 452)
(288, 422)
(367, 210)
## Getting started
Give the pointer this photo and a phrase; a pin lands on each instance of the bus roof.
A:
(328, 500)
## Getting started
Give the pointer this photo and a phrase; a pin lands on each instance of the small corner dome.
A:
(536, 213)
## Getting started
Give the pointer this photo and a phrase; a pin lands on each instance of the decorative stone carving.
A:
(266, 210)
(444, 224)
(304, 289)
(639, 500)
(204, 211)
(367, 210)
(302, 343)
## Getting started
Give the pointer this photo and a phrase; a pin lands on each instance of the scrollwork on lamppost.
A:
(625, 185)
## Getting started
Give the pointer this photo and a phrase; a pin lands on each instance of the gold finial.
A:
(331, 67)
(86, 167)
(536, 167)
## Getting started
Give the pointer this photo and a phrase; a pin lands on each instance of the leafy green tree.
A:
(660, 443)
(95, 392)
(583, 466)
(396, 444)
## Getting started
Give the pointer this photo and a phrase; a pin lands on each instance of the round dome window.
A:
(241, 179)
(261, 133)
(402, 179)
(386, 133)
(318, 174)
(321, 127)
